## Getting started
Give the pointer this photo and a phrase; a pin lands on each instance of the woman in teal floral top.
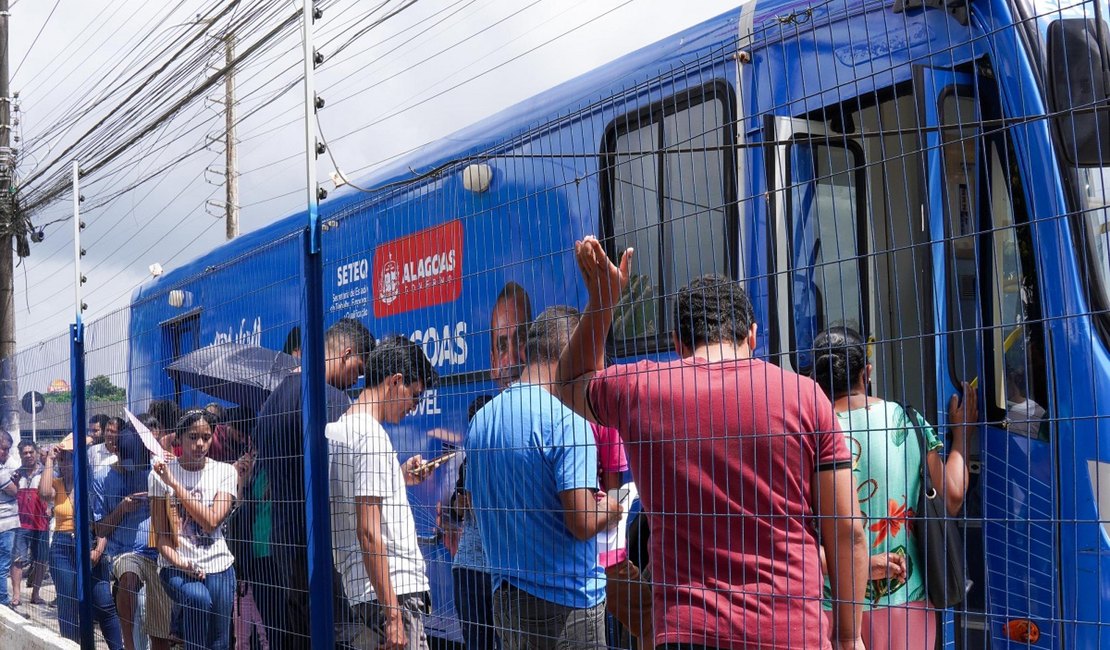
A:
(887, 467)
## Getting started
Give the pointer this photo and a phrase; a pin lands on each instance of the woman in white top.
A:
(191, 497)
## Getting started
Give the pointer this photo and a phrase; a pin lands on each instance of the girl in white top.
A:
(196, 563)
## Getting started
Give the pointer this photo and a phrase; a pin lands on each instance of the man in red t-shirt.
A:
(740, 465)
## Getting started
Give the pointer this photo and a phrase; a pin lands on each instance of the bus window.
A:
(959, 140)
(179, 337)
(828, 267)
(635, 213)
(1095, 184)
(671, 197)
(1019, 388)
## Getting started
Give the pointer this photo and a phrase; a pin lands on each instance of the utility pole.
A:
(231, 170)
(9, 413)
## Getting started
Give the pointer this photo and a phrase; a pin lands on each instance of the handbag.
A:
(938, 536)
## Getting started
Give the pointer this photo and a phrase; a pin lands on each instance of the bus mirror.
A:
(1079, 80)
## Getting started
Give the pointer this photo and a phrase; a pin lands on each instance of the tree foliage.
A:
(98, 389)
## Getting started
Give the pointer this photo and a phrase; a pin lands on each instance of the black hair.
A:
(121, 424)
(515, 293)
(165, 411)
(397, 354)
(477, 405)
(150, 422)
(23, 444)
(348, 332)
(549, 334)
(712, 309)
(839, 357)
(190, 418)
(242, 418)
(100, 420)
(292, 340)
(217, 411)
(5, 439)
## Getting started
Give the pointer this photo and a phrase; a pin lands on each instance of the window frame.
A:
(952, 328)
(655, 113)
(863, 254)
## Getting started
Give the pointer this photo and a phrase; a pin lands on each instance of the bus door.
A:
(986, 315)
(820, 243)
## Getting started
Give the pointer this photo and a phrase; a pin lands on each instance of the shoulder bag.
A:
(939, 538)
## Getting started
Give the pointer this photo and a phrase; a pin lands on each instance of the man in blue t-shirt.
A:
(532, 473)
(121, 514)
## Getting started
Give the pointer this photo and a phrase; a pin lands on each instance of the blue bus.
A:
(931, 173)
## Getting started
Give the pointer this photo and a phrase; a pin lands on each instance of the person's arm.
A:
(845, 545)
(105, 526)
(611, 480)
(375, 560)
(208, 517)
(950, 474)
(585, 353)
(98, 550)
(163, 536)
(586, 513)
(7, 485)
(46, 488)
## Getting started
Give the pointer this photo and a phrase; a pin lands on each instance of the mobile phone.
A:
(434, 463)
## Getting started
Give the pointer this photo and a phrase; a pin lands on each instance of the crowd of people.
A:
(710, 501)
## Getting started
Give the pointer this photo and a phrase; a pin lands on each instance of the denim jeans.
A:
(473, 595)
(205, 606)
(7, 544)
(63, 568)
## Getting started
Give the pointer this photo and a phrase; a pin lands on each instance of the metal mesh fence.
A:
(849, 384)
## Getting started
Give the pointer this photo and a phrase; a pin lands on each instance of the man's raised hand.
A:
(605, 281)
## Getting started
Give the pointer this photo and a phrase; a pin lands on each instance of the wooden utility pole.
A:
(231, 170)
(9, 399)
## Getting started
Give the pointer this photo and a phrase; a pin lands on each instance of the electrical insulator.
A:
(319, 102)
(321, 194)
(84, 306)
(318, 58)
(317, 13)
(83, 252)
(320, 149)
(81, 198)
(82, 225)
(84, 279)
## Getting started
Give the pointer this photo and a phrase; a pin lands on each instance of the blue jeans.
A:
(205, 606)
(7, 543)
(473, 595)
(63, 568)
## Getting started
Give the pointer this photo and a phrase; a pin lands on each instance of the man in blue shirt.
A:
(532, 473)
(121, 512)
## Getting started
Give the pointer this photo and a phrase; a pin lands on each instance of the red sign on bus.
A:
(418, 270)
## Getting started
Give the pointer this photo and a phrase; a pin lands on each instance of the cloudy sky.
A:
(434, 68)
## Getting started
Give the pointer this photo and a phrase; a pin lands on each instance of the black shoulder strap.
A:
(914, 420)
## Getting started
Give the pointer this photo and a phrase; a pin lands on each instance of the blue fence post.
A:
(317, 510)
(81, 482)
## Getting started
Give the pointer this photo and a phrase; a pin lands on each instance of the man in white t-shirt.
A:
(103, 454)
(374, 535)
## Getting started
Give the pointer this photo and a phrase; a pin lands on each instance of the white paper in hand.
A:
(156, 451)
(612, 540)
